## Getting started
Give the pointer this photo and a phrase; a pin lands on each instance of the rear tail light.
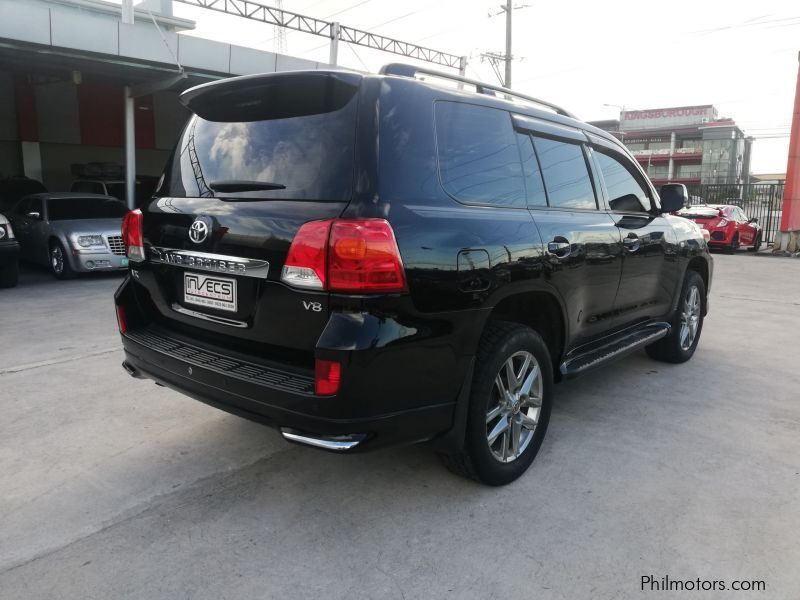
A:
(363, 257)
(305, 265)
(132, 235)
(356, 256)
(121, 323)
(327, 375)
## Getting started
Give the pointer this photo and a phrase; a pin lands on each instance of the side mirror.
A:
(674, 197)
(753, 220)
(34, 215)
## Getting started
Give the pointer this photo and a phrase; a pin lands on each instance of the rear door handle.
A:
(631, 242)
(559, 247)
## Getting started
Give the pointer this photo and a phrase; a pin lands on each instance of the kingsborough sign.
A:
(658, 118)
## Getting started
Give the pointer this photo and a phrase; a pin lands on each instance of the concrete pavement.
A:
(116, 488)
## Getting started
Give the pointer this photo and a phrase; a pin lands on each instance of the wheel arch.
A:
(699, 265)
(540, 310)
(56, 237)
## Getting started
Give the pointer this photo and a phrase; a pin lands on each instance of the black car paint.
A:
(407, 358)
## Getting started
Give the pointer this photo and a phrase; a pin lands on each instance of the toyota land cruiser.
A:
(363, 260)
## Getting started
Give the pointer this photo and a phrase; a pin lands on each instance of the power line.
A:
(749, 23)
(291, 20)
(353, 50)
(344, 10)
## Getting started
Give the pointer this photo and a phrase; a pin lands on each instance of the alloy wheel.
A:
(57, 259)
(690, 318)
(515, 407)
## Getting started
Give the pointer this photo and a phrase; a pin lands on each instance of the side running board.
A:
(617, 347)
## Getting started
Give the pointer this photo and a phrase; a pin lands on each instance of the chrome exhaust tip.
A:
(337, 443)
(131, 370)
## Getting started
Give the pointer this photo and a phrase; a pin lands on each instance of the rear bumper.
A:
(719, 237)
(287, 403)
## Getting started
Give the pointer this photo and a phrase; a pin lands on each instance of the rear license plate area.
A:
(210, 291)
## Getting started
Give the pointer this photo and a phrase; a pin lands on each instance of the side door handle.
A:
(560, 247)
(631, 242)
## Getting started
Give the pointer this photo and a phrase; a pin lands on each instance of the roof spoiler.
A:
(272, 95)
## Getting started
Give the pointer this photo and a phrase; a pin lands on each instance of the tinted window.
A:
(624, 192)
(566, 176)
(479, 162)
(88, 187)
(22, 206)
(63, 209)
(531, 171)
(306, 157)
(29, 205)
(115, 189)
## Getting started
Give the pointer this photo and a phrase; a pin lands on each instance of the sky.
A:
(742, 57)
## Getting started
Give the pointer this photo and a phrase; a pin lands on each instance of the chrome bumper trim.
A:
(215, 263)
(213, 318)
(338, 443)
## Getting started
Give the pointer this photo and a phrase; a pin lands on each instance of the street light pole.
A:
(621, 108)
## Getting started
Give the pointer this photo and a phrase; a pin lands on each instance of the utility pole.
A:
(336, 33)
(509, 9)
(495, 58)
(279, 42)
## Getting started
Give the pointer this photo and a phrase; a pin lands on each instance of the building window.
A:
(692, 143)
(657, 171)
(635, 146)
(685, 171)
(658, 146)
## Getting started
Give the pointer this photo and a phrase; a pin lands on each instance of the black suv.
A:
(362, 260)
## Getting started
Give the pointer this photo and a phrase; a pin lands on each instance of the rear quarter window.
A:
(479, 160)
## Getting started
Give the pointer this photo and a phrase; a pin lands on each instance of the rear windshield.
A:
(306, 157)
(64, 209)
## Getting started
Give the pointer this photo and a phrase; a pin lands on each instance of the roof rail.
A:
(405, 70)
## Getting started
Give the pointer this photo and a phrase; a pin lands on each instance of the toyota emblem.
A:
(198, 232)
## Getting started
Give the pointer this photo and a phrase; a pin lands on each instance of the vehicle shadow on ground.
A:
(31, 274)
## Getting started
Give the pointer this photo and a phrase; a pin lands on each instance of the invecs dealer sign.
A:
(662, 118)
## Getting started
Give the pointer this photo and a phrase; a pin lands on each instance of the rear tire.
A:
(59, 263)
(509, 407)
(687, 323)
(9, 275)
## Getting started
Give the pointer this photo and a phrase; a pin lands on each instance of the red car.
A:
(727, 225)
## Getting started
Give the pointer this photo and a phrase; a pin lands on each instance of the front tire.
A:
(9, 275)
(734, 244)
(687, 323)
(757, 243)
(59, 263)
(510, 403)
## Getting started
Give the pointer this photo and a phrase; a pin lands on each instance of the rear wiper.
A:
(237, 185)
